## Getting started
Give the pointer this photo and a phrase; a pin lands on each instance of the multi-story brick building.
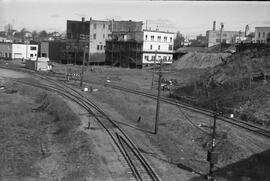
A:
(80, 32)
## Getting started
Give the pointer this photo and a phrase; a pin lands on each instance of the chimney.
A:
(214, 26)
(83, 19)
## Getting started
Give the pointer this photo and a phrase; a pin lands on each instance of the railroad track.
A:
(236, 122)
(140, 168)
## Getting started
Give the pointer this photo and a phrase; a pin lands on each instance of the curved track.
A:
(236, 122)
(138, 165)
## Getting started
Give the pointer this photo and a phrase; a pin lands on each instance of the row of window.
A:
(259, 34)
(95, 26)
(223, 34)
(146, 57)
(33, 48)
(170, 47)
(100, 47)
(152, 38)
(95, 36)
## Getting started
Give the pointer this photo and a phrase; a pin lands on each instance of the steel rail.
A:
(245, 125)
(83, 103)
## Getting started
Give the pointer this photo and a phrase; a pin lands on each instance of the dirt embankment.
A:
(199, 60)
(240, 85)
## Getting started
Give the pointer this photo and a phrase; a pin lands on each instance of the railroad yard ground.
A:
(177, 152)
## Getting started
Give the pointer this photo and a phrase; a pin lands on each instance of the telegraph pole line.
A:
(158, 98)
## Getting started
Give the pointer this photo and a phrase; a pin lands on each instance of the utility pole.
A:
(158, 98)
(82, 71)
(212, 157)
(153, 75)
(89, 57)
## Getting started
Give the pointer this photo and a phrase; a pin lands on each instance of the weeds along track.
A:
(141, 170)
(236, 122)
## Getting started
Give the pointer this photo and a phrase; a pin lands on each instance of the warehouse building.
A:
(18, 51)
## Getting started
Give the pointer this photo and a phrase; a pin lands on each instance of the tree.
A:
(178, 41)
(34, 35)
(42, 34)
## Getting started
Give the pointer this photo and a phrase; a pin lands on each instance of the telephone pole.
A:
(212, 157)
(158, 98)
(82, 71)
(153, 75)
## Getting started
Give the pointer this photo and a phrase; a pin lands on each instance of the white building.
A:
(262, 34)
(157, 44)
(18, 51)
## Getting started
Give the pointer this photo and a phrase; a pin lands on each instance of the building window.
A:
(31, 55)
(165, 38)
(159, 38)
(33, 48)
(95, 26)
(169, 58)
(103, 35)
(95, 36)
(146, 57)
(217, 40)
(146, 37)
(44, 55)
(153, 57)
(151, 47)
(170, 47)
(103, 26)
(225, 34)
(152, 38)
(263, 34)
(259, 35)
(158, 47)
(170, 39)
(97, 47)
(100, 47)
(164, 58)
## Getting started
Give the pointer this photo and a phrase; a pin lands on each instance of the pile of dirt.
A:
(199, 60)
(240, 84)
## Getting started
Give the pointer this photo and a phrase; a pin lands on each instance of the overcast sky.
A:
(190, 18)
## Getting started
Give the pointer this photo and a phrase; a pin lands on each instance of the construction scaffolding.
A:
(124, 53)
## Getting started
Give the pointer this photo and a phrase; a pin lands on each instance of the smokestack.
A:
(214, 26)
(83, 19)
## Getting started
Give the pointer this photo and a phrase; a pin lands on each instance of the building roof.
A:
(157, 31)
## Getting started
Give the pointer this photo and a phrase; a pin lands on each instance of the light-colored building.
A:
(262, 34)
(157, 44)
(140, 48)
(18, 51)
(213, 37)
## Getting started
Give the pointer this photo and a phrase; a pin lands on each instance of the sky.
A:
(189, 17)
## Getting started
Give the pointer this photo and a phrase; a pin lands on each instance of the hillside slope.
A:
(239, 84)
(199, 60)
